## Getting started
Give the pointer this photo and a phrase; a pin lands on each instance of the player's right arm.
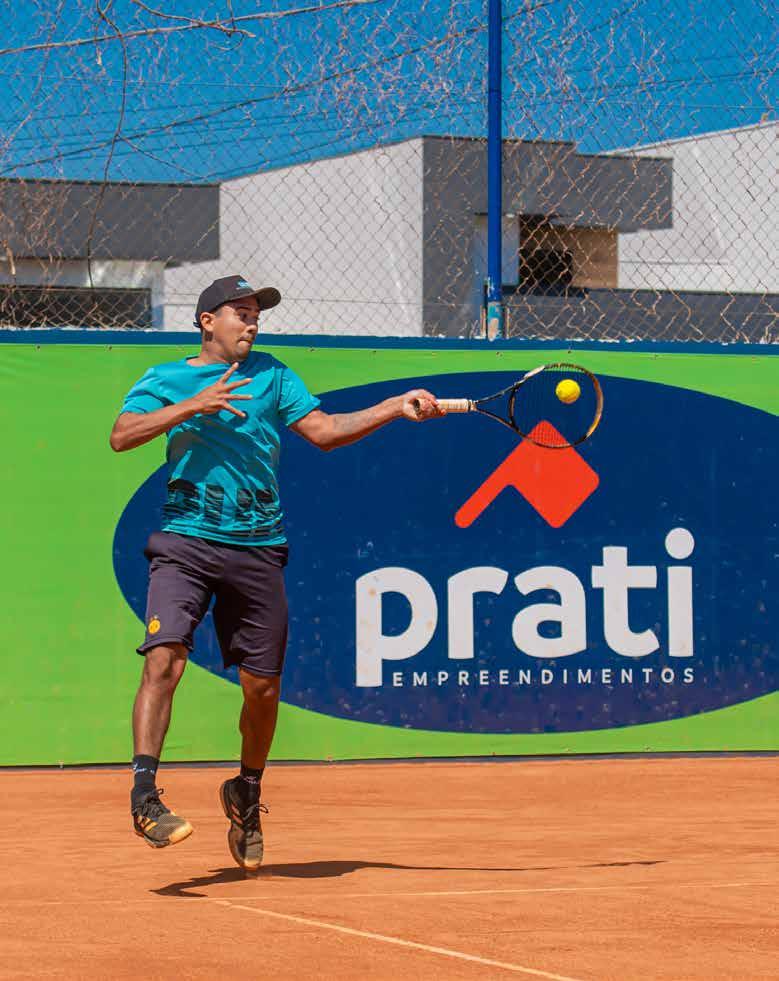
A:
(133, 429)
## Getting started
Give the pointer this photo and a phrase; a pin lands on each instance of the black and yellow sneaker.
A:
(245, 834)
(158, 826)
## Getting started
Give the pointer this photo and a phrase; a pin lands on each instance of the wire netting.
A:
(337, 151)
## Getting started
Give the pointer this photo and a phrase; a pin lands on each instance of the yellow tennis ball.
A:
(568, 390)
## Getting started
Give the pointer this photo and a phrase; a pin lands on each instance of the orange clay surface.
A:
(574, 869)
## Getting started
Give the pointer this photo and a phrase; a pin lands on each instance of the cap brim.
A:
(267, 297)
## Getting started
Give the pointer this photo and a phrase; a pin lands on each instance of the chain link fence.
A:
(337, 151)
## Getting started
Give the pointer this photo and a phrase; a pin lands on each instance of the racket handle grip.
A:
(455, 405)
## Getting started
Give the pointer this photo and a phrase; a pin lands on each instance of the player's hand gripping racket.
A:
(554, 405)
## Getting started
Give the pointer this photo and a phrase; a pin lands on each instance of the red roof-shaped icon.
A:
(554, 482)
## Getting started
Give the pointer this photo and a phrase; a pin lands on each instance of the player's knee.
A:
(163, 666)
(260, 690)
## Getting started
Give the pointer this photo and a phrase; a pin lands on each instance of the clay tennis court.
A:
(573, 869)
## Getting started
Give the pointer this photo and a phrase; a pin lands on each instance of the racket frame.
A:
(476, 405)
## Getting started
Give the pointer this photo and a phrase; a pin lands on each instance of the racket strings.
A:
(558, 406)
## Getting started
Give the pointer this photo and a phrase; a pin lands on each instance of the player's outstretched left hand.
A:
(419, 405)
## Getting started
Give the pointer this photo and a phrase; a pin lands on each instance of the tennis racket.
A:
(555, 405)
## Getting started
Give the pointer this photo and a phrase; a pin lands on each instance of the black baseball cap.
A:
(231, 288)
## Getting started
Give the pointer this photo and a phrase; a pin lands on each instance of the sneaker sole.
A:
(179, 835)
(237, 858)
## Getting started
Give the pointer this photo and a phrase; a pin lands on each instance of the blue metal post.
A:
(494, 173)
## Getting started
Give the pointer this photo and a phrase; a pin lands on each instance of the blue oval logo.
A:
(446, 577)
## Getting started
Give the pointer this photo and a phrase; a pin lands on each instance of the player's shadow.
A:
(328, 870)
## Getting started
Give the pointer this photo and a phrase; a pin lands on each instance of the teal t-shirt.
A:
(223, 470)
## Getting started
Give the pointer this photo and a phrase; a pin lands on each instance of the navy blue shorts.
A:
(250, 612)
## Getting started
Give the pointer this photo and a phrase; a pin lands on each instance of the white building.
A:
(84, 254)
(673, 241)
(341, 239)
(391, 240)
(725, 231)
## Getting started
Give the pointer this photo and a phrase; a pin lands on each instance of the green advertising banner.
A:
(70, 670)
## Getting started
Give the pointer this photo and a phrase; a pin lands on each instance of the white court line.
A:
(387, 895)
(516, 968)
(499, 892)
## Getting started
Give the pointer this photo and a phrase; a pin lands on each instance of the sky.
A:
(147, 93)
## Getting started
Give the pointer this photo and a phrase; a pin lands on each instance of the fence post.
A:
(494, 174)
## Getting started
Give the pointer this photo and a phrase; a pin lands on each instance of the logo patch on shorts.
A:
(154, 625)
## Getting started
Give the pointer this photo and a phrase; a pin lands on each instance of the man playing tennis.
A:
(223, 537)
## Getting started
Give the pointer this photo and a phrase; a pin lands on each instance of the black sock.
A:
(144, 775)
(251, 780)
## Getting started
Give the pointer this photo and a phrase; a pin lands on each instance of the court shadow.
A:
(334, 869)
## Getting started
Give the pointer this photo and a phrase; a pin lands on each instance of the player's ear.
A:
(206, 322)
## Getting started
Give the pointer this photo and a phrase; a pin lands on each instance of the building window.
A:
(61, 306)
(554, 259)
(546, 271)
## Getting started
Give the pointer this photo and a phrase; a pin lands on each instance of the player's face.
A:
(234, 327)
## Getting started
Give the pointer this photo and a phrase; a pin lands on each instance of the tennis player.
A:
(222, 536)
